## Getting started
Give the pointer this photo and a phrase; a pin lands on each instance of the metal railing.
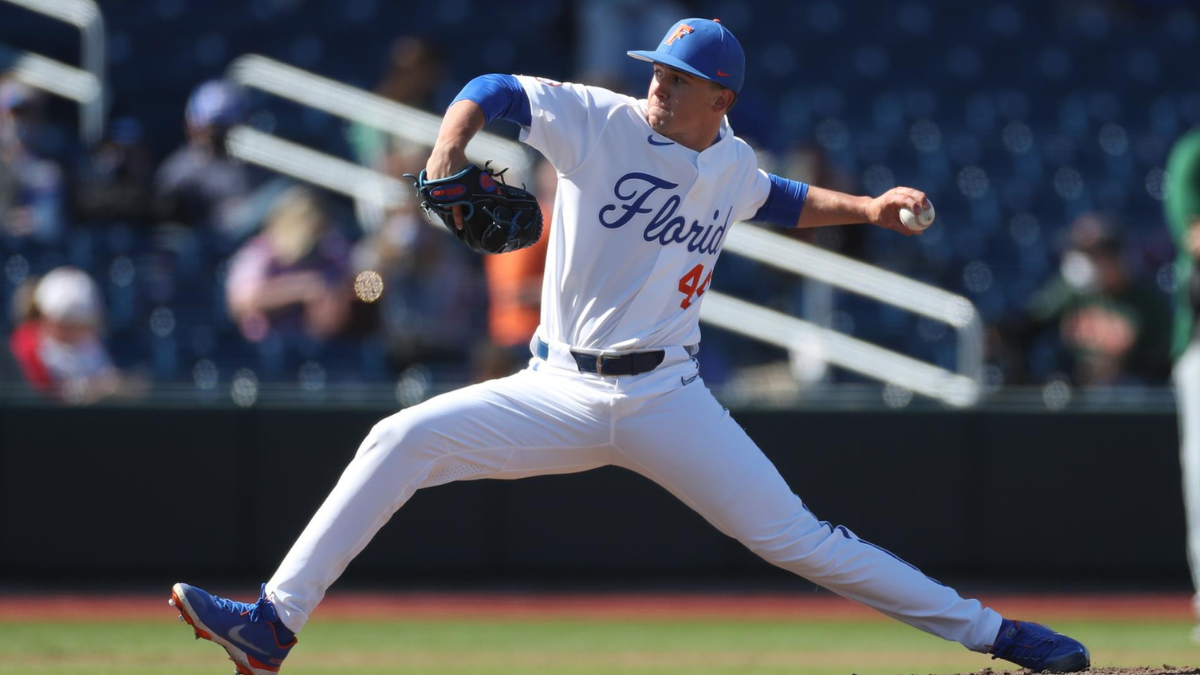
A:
(49, 75)
(807, 338)
(960, 389)
(309, 165)
(86, 85)
(871, 281)
(352, 103)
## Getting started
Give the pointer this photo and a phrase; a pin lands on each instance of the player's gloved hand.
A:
(884, 210)
(493, 217)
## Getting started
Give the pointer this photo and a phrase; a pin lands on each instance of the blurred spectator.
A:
(115, 181)
(292, 278)
(200, 184)
(414, 72)
(1183, 218)
(431, 308)
(1111, 328)
(28, 107)
(57, 344)
(31, 184)
(515, 281)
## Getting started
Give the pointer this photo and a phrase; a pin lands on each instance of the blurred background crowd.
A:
(154, 259)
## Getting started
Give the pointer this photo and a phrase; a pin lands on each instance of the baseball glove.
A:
(497, 218)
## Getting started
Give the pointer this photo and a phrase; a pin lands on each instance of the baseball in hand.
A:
(917, 221)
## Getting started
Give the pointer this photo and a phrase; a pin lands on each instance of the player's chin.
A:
(658, 121)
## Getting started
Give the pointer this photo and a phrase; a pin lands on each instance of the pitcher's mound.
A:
(1138, 670)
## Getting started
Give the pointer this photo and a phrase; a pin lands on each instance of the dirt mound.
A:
(1138, 670)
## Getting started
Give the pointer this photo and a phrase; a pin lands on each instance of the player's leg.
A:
(528, 424)
(684, 440)
(1186, 376)
(688, 443)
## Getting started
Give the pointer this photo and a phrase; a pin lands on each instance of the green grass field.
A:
(564, 647)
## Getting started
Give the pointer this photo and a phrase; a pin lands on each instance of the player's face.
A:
(679, 102)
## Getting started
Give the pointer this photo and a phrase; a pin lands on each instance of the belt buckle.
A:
(599, 364)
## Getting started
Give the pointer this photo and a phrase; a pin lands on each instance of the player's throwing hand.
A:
(884, 210)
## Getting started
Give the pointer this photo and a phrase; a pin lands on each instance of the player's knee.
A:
(786, 543)
(812, 552)
(399, 433)
(797, 542)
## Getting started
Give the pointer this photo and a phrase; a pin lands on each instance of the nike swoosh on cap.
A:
(654, 142)
(722, 73)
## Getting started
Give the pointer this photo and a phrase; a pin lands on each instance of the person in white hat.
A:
(59, 348)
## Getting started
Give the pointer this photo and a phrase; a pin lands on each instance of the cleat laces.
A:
(257, 611)
(262, 612)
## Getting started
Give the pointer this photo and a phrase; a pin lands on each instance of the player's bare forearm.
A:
(828, 207)
(449, 156)
(462, 121)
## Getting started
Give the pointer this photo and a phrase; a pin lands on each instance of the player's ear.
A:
(724, 100)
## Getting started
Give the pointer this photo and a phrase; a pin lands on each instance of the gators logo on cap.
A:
(683, 29)
(448, 192)
(487, 182)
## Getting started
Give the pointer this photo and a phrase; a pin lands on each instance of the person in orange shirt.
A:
(515, 284)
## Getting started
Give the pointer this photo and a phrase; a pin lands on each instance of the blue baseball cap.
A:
(703, 48)
(216, 102)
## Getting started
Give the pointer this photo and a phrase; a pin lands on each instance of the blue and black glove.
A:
(497, 218)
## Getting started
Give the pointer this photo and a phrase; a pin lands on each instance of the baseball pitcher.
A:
(647, 192)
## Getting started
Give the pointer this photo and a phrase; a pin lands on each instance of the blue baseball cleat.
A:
(1039, 649)
(254, 636)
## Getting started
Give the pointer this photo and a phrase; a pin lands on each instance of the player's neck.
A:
(697, 139)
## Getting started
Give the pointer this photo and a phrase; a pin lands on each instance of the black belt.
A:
(635, 363)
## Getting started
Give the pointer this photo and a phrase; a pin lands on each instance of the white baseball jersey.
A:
(639, 220)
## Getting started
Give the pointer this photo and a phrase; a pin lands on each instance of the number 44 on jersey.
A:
(691, 286)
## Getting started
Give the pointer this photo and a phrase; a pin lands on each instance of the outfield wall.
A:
(117, 493)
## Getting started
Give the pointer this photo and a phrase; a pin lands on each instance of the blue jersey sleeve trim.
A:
(500, 96)
(784, 203)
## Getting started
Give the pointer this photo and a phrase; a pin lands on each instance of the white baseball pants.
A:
(665, 425)
(1186, 376)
